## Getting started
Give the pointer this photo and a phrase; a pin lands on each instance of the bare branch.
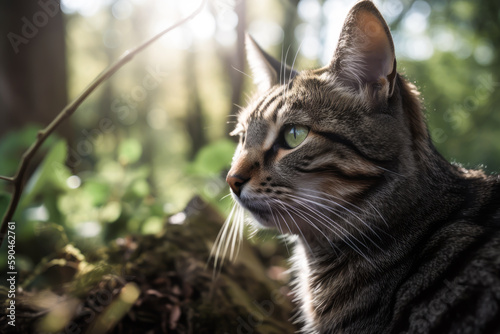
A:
(5, 178)
(19, 178)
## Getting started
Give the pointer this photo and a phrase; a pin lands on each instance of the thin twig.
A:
(5, 178)
(19, 178)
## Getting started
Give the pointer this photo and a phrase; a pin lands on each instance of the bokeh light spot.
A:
(122, 9)
(88, 229)
(73, 182)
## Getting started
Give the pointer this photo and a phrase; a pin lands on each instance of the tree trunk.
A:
(237, 64)
(32, 64)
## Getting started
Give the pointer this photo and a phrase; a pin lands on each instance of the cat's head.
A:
(316, 144)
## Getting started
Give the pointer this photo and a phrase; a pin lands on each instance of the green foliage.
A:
(4, 201)
(213, 158)
(14, 143)
(129, 151)
(208, 168)
(97, 192)
(50, 175)
(115, 199)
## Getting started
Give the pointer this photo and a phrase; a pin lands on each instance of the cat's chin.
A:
(263, 217)
(262, 220)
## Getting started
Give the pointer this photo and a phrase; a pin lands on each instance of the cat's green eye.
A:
(294, 135)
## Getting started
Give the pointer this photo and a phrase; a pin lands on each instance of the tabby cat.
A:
(390, 237)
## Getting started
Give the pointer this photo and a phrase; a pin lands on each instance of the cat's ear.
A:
(365, 51)
(266, 71)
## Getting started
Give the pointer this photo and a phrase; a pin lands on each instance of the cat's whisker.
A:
(238, 233)
(239, 107)
(328, 223)
(390, 171)
(284, 72)
(279, 202)
(379, 214)
(336, 198)
(327, 219)
(242, 229)
(333, 197)
(361, 210)
(225, 196)
(221, 241)
(334, 203)
(222, 236)
(332, 210)
(327, 208)
(230, 237)
(301, 214)
(247, 97)
(276, 223)
(242, 72)
(282, 204)
(233, 234)
(293, 64)
(281, 67)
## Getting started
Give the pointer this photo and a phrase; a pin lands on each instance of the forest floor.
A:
(160, 283)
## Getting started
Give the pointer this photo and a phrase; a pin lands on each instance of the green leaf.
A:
(213, 158)
(152, 225)
(14, 143)
(4, 202)
(52, 172)
(140, 188)
(110, 212)
(130, 151)
(98, 191)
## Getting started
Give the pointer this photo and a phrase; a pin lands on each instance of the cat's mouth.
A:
(256, 209)
(274, 216)
(260, 211)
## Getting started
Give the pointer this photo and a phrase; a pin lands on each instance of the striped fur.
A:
(391, 238)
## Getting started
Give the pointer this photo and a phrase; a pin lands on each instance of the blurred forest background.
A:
(156, 133)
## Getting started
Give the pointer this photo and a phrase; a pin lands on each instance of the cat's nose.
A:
(236, 182)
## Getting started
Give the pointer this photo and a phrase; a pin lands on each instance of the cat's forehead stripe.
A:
(266, 103)
(265, 108)
(271, 114)
(270, 110)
